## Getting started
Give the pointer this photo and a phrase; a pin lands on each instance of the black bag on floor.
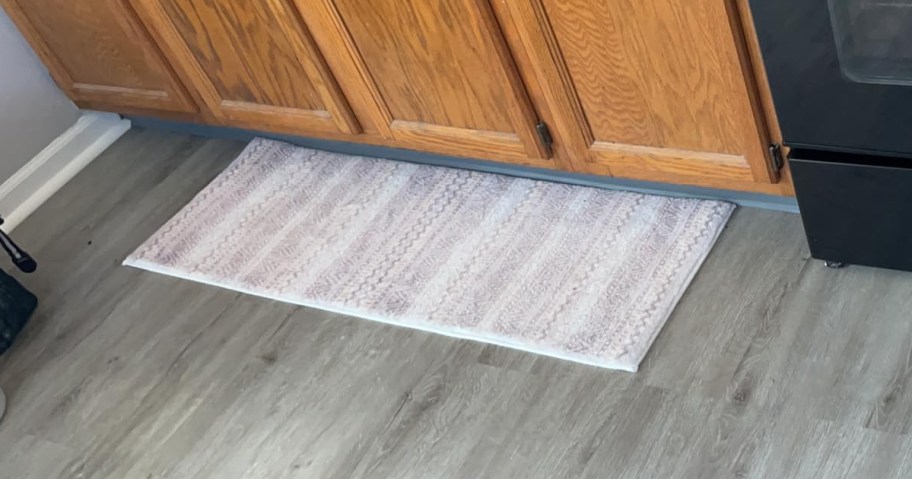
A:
(16, 303)
(16, 306)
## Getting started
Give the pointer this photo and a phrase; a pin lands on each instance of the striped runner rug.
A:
(579, 273)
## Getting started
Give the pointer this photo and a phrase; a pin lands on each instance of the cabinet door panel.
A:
(100, 54)
(658, 87)
(439, 73)
(253, 63)
(648, 73)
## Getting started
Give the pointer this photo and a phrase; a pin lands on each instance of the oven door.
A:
(840, 72)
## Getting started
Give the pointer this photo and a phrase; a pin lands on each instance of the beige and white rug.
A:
(579, 273)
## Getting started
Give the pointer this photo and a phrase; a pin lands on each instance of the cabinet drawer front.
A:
(99, 54)
(439, 73)
(253, 63)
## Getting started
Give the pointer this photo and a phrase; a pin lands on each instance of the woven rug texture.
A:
(579, 273)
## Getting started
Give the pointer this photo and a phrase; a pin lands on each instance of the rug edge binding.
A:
(691, 275)
(452, 333)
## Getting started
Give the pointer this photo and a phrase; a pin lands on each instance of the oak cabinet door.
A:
(252, 63)
(650, 89)
(99, 54)
(432, 75)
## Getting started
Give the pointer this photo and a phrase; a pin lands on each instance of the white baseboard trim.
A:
(57, 164)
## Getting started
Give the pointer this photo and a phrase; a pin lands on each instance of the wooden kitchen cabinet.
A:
(99, 54)
(253, 63)
(432, 75)
(656, 90)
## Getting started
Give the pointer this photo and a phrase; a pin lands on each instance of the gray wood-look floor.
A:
(771, 366)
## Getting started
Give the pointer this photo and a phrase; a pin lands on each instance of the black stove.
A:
(841, 78)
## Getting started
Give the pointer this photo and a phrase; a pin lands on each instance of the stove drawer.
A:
(856, 209)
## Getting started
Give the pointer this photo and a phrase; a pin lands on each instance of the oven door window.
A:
(874, 40)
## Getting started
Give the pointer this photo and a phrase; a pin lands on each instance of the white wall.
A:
(33, 111)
